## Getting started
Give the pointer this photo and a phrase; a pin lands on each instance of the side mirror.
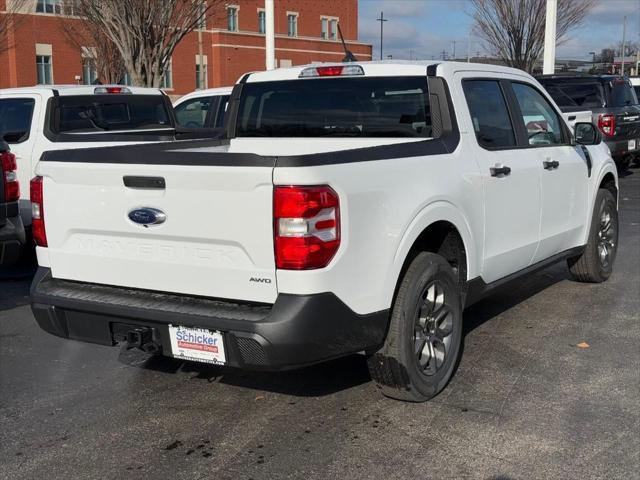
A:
(587, 134)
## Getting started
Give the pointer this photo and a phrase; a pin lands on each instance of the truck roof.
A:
(388, 68)
(79, 90)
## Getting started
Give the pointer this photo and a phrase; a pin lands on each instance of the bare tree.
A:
(145, 32)
(95, 45)
(10, 19)
(513, 30)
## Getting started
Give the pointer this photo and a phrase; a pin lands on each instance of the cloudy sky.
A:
(424, 28)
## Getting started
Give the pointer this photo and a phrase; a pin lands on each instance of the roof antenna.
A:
(348, 56)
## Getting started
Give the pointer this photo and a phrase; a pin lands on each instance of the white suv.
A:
(351, 208)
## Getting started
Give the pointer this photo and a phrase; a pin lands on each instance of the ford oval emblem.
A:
(147, 216)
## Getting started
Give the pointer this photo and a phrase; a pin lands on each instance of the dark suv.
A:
(12, 236)
(613, 104)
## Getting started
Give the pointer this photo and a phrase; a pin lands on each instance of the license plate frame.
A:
(197, 344)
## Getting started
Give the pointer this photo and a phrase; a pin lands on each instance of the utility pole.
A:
(270, 34)
(624, 40)
(410, 54)
(444, 54)
(454, 49)
(381, 20)
(469, 47)
(549, 64)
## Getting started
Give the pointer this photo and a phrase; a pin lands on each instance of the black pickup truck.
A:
(12, 237)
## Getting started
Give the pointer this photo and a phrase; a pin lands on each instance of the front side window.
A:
(16, 115)
(540, 118)
(262, 22)
(292, 25)
(193, 113)
(232, 19)
(336, 107)
(44, 70)
(489, 113)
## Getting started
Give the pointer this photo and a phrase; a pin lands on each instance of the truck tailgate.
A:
(216, 241)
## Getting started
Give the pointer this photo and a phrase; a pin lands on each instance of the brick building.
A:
(36, 48)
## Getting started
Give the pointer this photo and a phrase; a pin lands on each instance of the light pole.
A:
(381, 20)
(593, 60)
(549, 63)
(624, 40)
(454, 49)
(269, 37)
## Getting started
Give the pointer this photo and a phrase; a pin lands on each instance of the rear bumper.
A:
(12, 240)
(296, 330)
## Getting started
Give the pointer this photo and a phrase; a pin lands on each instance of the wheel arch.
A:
(435, 229)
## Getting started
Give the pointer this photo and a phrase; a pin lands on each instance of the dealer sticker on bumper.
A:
(197, 344)
(632, 145)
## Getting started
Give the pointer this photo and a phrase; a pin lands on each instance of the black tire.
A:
(426, 307)
(593, 265)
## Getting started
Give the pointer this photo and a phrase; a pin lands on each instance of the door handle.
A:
(155, 183)
(550, 164)
(500, 171)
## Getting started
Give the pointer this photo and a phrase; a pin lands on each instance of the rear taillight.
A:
(607, 124)
(11, 186)
(307, 226)
(37, 213)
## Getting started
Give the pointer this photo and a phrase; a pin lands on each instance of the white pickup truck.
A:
(60, 117)
(353, 207)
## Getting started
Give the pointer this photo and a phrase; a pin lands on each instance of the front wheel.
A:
(422, 346)
(595, 264)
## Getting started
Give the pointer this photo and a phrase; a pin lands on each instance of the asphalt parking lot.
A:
(527, 402)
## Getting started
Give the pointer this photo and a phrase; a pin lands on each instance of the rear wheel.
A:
(422, 346)
(595, 264)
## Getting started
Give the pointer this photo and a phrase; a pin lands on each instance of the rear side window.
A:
(489, 114)
(16, 115)
(571, 95)
(621, 93)
(337, 107)
(98, 113)
(193, 113)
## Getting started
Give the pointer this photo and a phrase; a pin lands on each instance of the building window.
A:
(232, 19)
(89, 71)
(262, 28)
(49, 6)
(201, 85)
(126, 79)
(44, 70)
(202, 12)
(167, 78)
(333, 29)
(292, 24)
(329, 28)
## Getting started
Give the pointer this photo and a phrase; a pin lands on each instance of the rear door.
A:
(216, 239)
(511, 179)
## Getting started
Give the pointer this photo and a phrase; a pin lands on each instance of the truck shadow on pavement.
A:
(348, 372)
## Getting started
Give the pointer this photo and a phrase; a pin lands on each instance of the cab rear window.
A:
(336, 107)
(621, 93)
(100, 113)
